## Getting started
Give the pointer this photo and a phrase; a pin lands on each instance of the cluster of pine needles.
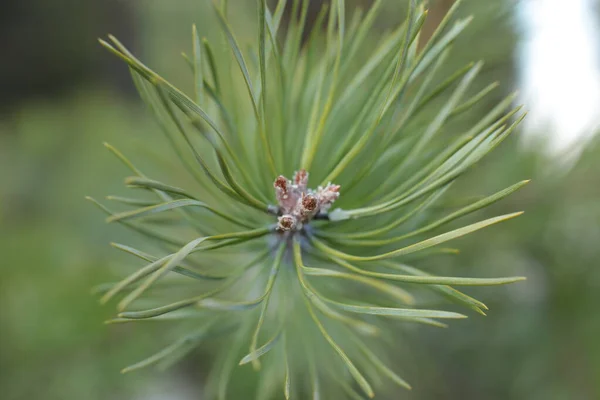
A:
(316, 303)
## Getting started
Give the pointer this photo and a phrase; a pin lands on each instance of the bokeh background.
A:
(62, 96)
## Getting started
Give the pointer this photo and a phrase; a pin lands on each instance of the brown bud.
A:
(327, 195)
(281, 183)
(301, 179)
(309, 202)
(286, 223)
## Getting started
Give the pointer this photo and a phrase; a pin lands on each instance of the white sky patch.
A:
(559, 76)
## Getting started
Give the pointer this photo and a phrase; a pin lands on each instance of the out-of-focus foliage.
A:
(542, 345)
(53, 344)
(48, 47)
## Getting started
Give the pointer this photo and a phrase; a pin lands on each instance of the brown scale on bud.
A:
(309, 202)
(286, 193)
(286, 223)
(327, 195)
(307, 207)
(298, 204)
(301, 179)
(281, 184)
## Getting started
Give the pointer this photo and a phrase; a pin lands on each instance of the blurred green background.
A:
(61, 96)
